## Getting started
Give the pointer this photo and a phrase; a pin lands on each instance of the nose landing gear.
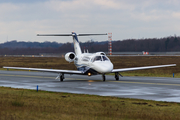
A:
(103, 77)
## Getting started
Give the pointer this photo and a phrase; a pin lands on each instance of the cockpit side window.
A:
(105, 58)
(97, 58)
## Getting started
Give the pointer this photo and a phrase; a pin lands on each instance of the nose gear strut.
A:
(103, 77)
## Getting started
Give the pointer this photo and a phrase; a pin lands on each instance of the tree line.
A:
(166, 44)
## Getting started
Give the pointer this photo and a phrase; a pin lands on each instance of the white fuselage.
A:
(98, 62)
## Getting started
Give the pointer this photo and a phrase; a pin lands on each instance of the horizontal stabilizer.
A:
(69, 34)
(90, 34)
(54, 34)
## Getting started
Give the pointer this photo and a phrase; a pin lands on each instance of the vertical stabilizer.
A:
(77, 48)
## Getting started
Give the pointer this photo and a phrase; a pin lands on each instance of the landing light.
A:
(89, 74)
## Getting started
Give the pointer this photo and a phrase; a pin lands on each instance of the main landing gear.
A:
(61, 77)
(117, 76)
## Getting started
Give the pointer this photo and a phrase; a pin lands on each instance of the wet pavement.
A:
(149, 88)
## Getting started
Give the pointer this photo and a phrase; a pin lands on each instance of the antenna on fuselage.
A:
(84, 50)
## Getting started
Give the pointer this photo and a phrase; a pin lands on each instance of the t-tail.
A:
(77, 48)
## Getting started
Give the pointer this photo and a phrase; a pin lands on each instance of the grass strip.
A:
(20, 104)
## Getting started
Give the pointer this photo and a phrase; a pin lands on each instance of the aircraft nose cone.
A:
(105, 67)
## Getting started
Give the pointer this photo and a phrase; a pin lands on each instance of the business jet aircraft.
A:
(87, 63)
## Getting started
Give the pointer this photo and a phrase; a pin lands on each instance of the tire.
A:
(104, 77)
(116, 76)
(61, 78)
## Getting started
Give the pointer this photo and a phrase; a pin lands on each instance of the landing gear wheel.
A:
(103, 77)
(61, 77)
(116, 76)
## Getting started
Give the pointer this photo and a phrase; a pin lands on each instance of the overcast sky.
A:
(21, 20)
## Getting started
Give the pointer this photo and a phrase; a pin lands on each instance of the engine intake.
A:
(70, 56)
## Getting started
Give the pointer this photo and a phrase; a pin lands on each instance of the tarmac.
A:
(148, 88)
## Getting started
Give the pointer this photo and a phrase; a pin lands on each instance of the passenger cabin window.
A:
(86, 59)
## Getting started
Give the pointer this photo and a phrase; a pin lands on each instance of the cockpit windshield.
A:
(97, 58)
(100, 58)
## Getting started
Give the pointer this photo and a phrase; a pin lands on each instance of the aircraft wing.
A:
(140, 68)
(47, 70)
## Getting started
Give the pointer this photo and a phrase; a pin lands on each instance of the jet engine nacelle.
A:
(70, 56)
